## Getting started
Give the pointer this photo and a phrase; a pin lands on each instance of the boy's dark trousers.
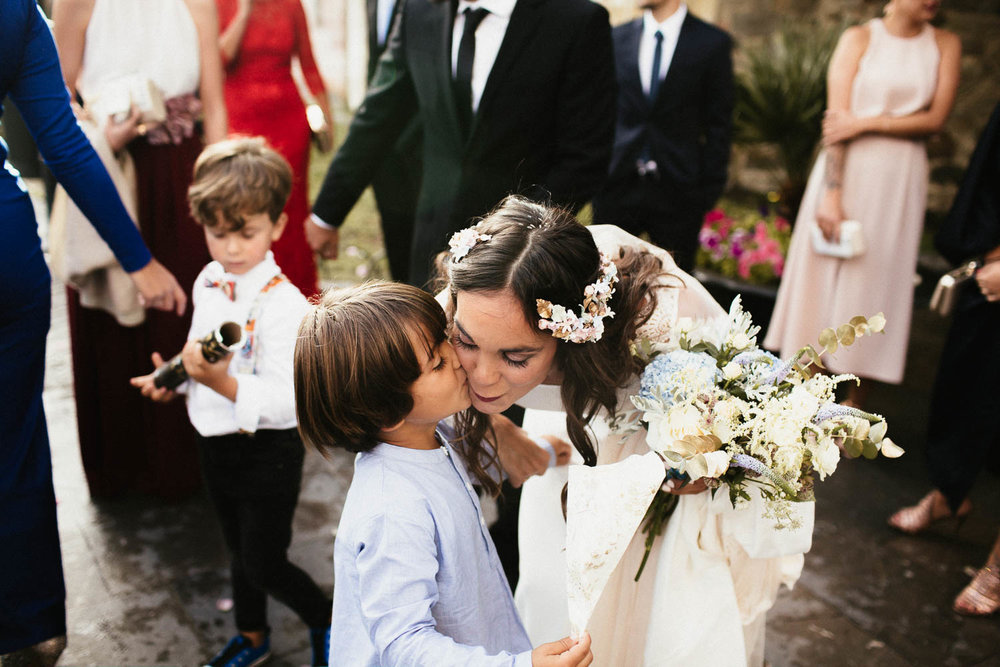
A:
(253, 481)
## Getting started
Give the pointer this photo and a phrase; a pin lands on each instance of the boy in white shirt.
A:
(243, 407)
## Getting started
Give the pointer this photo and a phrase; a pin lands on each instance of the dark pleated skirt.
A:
(128, 443)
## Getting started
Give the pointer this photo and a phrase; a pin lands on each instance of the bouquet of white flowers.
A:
(718, 407)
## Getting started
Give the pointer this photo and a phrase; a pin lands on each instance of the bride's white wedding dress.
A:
(701, 599)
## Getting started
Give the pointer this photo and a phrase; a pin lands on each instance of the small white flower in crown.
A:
(464, 241)
(588, 326)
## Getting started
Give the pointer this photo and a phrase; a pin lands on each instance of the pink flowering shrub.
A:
(748, 246)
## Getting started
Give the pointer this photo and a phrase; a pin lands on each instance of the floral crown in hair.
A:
(588, 327)
(462, 242)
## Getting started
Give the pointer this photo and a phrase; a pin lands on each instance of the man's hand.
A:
(567, 652)
(519, 456)
(324, 242)
(158, 288)
(150, 390)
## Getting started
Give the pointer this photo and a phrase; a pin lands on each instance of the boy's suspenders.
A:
(246, 357)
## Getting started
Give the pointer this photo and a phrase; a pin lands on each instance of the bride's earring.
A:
(888, 9)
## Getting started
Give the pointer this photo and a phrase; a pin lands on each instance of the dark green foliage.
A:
(781, 95)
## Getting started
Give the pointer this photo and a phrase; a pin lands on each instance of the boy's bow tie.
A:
(228, 287)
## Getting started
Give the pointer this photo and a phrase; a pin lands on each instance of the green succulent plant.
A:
(781, 95)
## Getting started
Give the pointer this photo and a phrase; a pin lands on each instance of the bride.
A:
(511, 281)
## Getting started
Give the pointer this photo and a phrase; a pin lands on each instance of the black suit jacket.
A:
(545, 122)
(689, 124)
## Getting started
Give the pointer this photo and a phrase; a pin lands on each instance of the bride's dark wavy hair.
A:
(542, 252)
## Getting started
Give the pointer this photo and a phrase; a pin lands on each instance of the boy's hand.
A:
(567, 652)
(520, 457)
(563, 449)
(214, 376)
(150, 390)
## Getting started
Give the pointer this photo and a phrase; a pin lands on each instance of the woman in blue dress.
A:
(32, 593)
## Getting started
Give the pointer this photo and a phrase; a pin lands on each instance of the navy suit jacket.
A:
(689, 124)
(545, 123)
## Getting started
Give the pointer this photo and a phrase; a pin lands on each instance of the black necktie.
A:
(654, 80)
(463, 71)
(646, 165)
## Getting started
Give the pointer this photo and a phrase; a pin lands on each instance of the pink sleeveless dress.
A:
(885, 188)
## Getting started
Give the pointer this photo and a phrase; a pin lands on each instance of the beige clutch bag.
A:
(118, 96)
(851, 244)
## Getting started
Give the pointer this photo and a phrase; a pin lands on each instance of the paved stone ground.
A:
(144, 578)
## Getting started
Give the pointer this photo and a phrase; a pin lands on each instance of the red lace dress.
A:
(263, 99)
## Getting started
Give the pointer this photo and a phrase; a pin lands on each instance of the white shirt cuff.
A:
(319, 222)
(248, 403)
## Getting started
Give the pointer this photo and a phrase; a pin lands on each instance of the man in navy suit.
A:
(672, 139)
(513, 96)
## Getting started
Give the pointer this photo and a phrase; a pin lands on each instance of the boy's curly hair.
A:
(237, 177)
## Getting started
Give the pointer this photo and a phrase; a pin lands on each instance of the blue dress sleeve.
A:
(42, 98)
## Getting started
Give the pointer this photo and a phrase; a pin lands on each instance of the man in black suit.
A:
(397, 182)
(522, 102)
(672, 139)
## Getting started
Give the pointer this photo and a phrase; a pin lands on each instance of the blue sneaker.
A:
(240, 652)
(319, 638)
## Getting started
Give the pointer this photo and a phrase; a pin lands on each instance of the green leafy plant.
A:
(780, 98)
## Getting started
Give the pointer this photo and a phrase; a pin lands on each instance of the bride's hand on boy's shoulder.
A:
(149, 389)
(567, 652)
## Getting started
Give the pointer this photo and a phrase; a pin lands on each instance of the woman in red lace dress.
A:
(259, 39)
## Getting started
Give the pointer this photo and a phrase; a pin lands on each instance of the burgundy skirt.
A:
(128, 443)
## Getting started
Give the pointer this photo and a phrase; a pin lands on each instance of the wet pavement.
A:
(147, 581)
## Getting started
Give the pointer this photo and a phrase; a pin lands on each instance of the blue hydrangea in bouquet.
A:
(718, 407)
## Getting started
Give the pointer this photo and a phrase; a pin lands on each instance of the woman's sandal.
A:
(982, 596)
(918, 518)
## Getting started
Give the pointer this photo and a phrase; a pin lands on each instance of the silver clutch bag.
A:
(946, 291)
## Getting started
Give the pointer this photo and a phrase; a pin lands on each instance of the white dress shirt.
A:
(265, 396)
(489, 36)
(671, 30)
(383, 18)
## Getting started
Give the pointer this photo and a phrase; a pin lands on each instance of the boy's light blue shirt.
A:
(418, 580)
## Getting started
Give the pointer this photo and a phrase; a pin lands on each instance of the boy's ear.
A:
(394, 427)
(279, 226)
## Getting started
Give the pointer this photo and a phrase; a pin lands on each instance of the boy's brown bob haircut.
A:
(355, 365)
(237, 177)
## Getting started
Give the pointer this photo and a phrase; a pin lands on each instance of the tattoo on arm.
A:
(833, 176)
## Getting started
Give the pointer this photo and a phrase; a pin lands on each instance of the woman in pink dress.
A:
(258, 41)
(891, 83)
